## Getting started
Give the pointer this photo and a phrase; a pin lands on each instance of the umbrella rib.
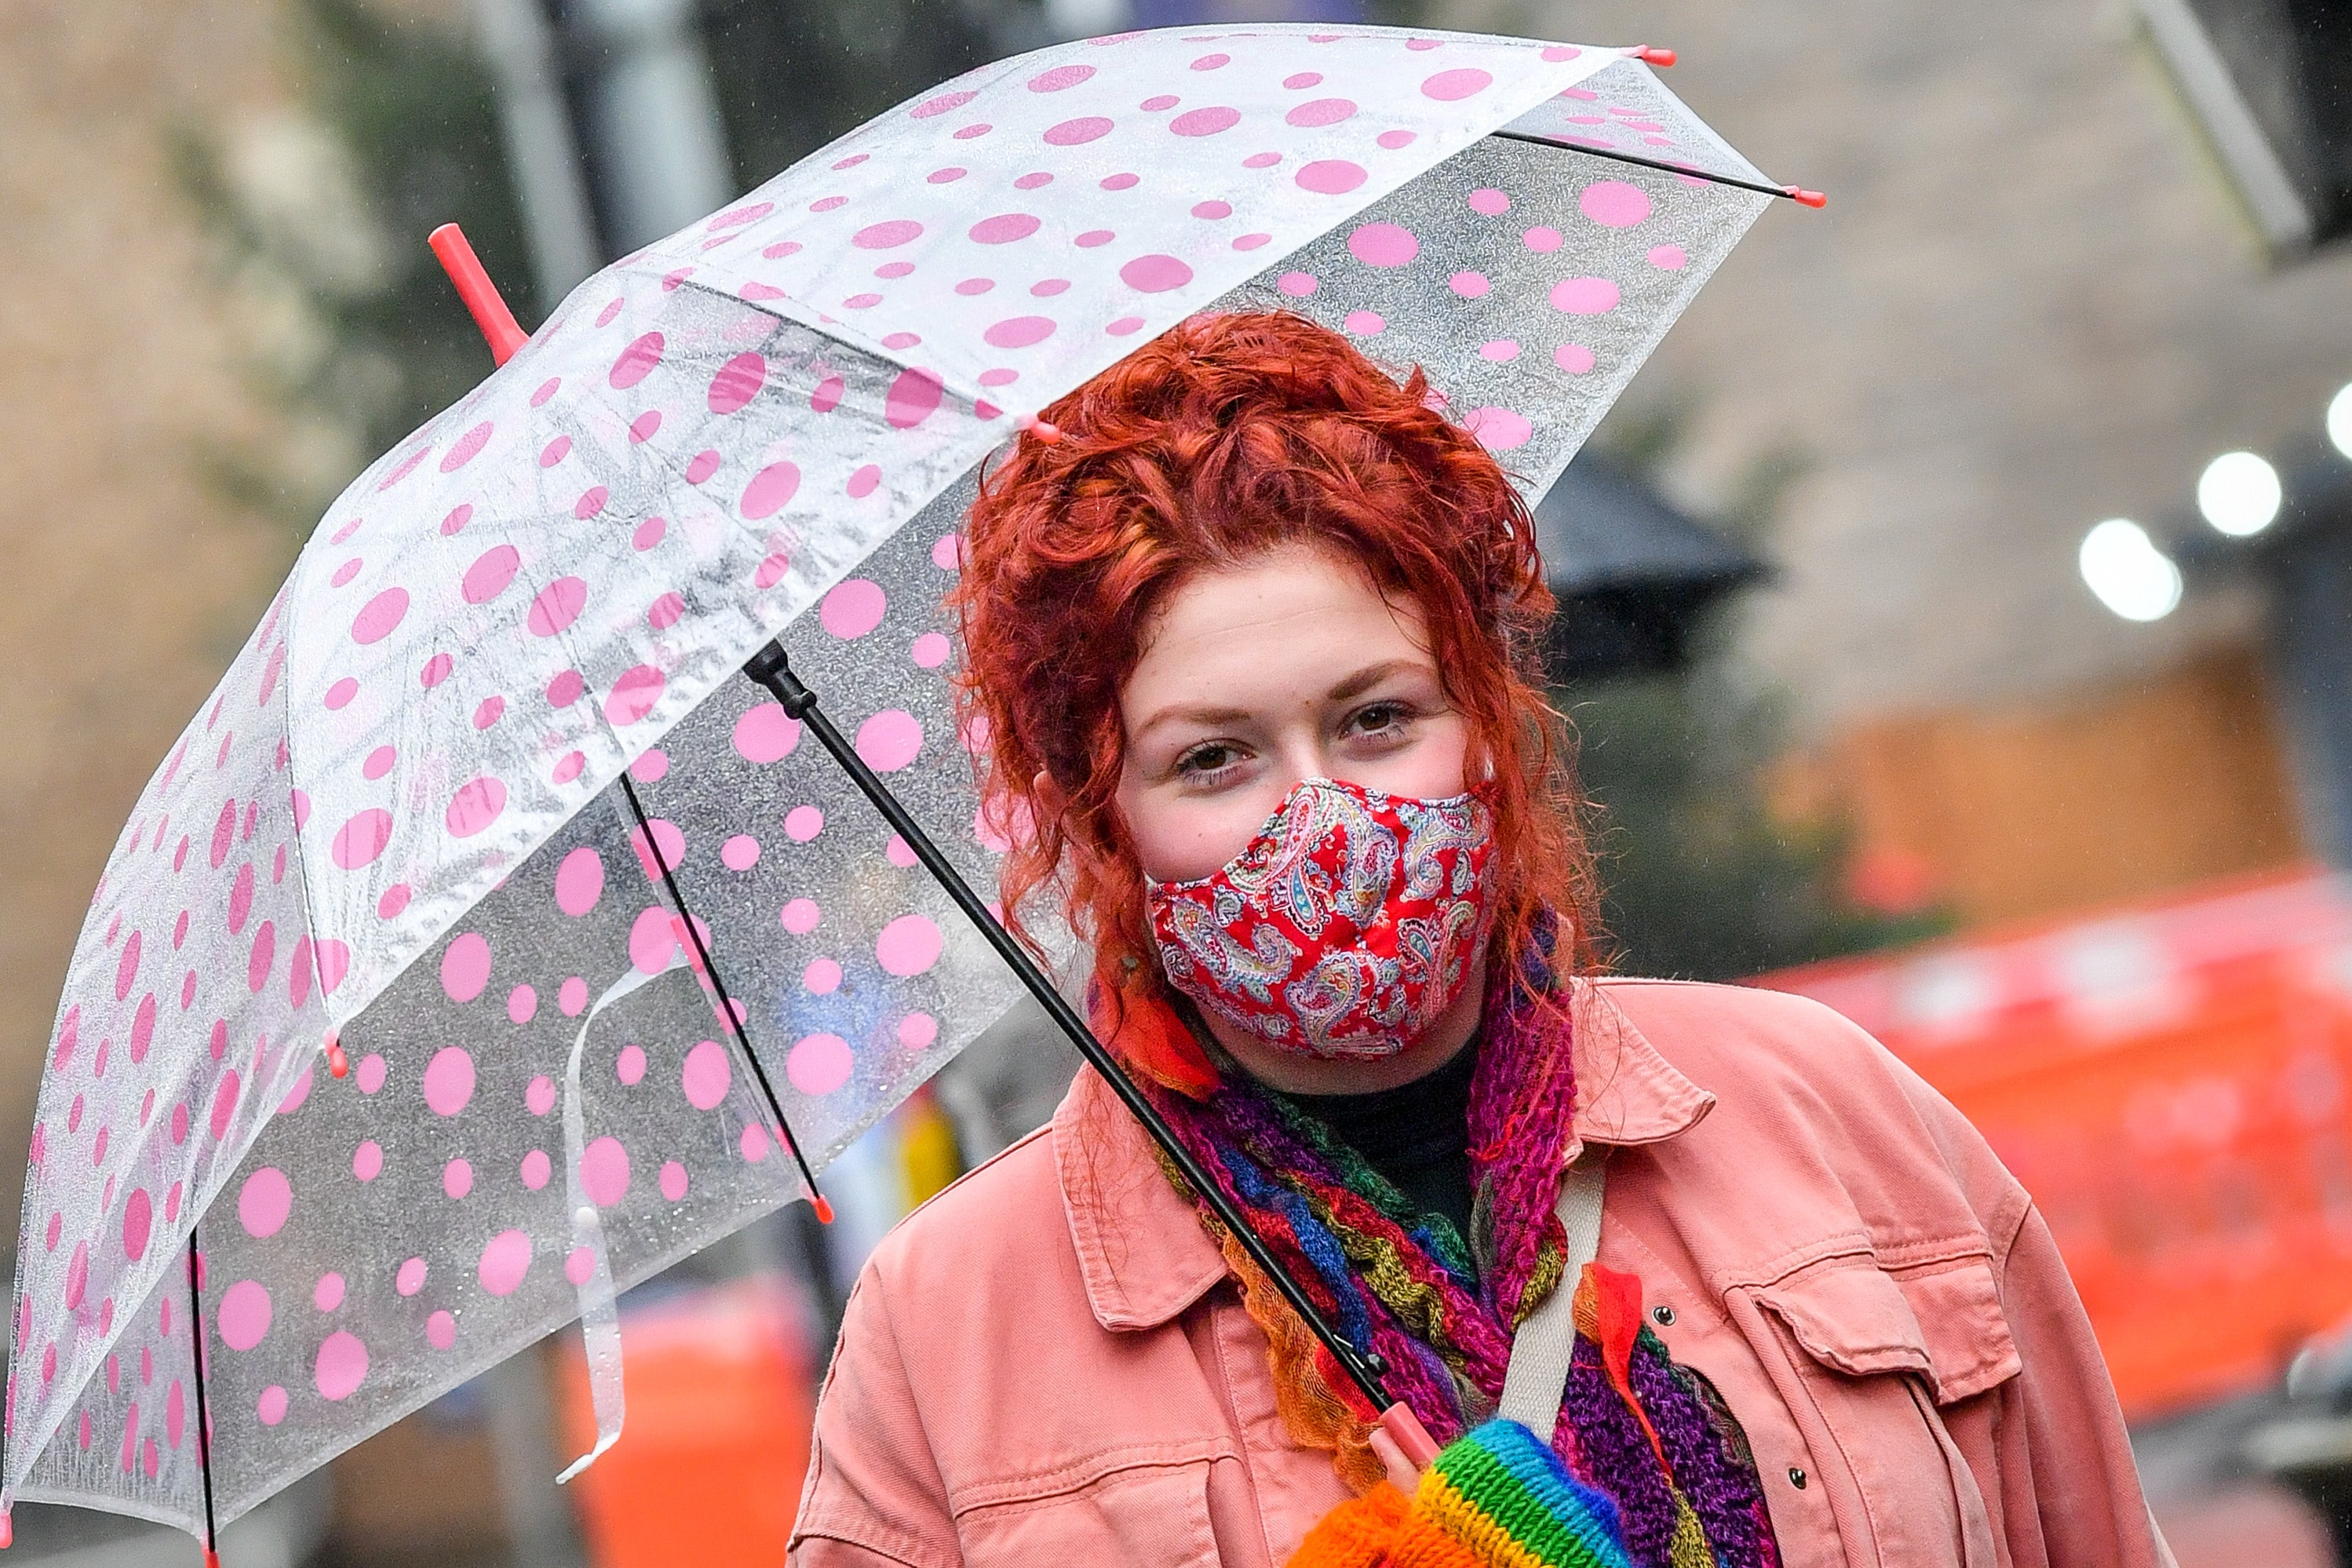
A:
(726, 1003)
(204, 1416)
(1785, 191)
(771, 669)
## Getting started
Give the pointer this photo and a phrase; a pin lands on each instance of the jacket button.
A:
(1797, 1478)
(1663, 1316)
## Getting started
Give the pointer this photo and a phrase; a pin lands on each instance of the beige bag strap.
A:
(1542, 1349)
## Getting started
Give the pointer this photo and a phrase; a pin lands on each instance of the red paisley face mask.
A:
(1344, 929)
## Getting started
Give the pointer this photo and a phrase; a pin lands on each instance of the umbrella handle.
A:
(1411, 1439)
(771, 668)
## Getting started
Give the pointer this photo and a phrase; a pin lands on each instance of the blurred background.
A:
(1956, 615)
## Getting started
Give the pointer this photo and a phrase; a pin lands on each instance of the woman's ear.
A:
(1048, 794)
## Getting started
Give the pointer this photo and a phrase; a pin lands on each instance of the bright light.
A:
(2128, 572)
(2339, 421)
(2239, 494)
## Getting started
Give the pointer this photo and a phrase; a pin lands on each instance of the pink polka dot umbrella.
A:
(604, 957)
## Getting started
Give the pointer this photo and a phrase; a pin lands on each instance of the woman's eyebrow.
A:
(1372, 675)
(1190, 713)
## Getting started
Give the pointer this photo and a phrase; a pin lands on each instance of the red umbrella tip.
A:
(1045, 430)
(337, 1062)
(1805, 198)
(1659, 57)
(823, 1207)
(7, 1531)
(480, 295)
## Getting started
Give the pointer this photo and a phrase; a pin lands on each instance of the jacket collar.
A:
(1142, 1251)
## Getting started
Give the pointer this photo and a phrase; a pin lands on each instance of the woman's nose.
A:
(1299, 758)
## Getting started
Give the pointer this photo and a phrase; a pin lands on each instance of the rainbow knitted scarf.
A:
(1648, 1436)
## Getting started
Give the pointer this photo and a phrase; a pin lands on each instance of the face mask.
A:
(1344, 929)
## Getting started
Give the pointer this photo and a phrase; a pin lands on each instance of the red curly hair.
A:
(1225, 439)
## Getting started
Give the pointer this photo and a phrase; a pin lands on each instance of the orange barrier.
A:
(2173, 1083)
(710, 1465)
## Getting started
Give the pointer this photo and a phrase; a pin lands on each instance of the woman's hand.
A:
(1402, 1473)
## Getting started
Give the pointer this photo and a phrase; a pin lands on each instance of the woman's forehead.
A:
(1294, 576)
(1295, 625)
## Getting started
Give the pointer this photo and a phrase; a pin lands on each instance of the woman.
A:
(1255, 647)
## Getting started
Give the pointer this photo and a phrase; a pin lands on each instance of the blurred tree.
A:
(791, 75)
(322, 219)
(1701, 878)
(322, 216)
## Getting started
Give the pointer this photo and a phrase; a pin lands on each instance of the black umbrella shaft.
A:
(653, 852)
(204, 1412)
(772, 669)
(1787, 193)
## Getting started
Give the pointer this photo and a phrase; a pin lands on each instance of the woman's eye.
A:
(1381, 719)
(1205, 761)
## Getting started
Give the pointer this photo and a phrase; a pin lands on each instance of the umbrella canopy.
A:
(446, 808)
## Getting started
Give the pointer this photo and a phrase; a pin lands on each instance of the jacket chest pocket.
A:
(1869, 1360)
(1147, 1514)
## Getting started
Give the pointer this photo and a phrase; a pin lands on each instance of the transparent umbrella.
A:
(604, 954)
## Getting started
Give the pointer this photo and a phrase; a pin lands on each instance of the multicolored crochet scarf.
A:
(1650, 1436)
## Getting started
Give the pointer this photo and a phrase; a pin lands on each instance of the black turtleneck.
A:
(1416, 1135)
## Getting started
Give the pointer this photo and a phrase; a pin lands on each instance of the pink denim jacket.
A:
(1048, 1363)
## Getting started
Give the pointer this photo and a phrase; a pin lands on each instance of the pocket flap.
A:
(1943, 1320)
(1957, 1305)
(1852, 1318)
(1148, 1515)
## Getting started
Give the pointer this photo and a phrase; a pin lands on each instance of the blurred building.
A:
(2035, 301)
(124, 358)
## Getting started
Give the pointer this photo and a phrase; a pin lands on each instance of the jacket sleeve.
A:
(2070, 1490)
(872, 1495)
